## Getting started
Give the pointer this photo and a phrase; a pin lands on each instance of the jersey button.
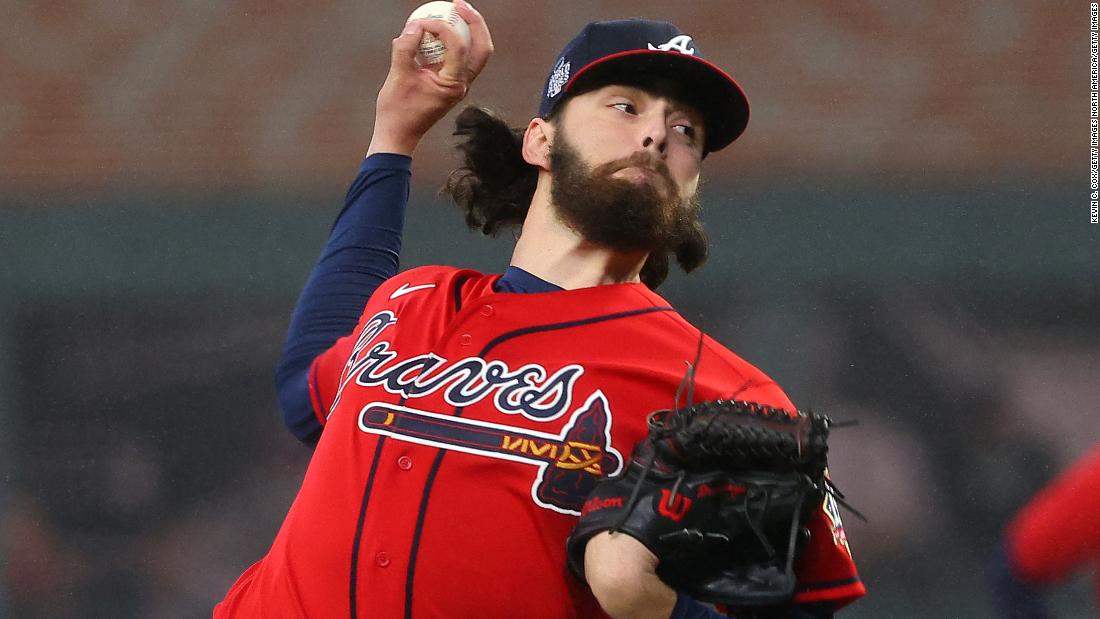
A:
(487, 310)
(382, 559)
(404, 463)
(465, 339)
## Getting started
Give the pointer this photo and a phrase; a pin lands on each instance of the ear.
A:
(536, 143)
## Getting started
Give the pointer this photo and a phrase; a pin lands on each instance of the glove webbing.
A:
(728, 434)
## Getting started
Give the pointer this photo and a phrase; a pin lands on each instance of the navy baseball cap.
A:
(633, 51)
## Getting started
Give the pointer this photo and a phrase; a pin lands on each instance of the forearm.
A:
(621, 572)
(639, 596)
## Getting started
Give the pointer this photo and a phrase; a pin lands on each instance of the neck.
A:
(552, 251)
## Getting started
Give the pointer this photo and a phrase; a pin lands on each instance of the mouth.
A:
(638, 174)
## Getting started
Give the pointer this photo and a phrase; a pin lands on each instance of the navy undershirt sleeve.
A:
(362, 252)
(688, 608)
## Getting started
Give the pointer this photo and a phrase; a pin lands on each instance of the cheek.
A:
(687, 178)
(592, 151)
(610, 146)
(606, 139)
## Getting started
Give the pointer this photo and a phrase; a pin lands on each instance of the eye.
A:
(687, 130)
(625, 107)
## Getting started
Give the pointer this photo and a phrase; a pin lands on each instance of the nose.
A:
(655, 135)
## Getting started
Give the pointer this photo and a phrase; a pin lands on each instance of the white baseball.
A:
(431, 48)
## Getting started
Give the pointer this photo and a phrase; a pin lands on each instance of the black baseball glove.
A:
(720, 492)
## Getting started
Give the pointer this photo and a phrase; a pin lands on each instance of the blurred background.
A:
(901, 237)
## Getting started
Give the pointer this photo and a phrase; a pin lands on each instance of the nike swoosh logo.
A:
(406, 289)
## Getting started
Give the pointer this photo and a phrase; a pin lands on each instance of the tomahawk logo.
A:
(681, 43)
(568, 463)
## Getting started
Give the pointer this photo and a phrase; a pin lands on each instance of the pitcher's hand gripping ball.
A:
(719, 492)
(431, 48)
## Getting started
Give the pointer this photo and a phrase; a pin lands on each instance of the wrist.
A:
(395, 142)
(621, 574)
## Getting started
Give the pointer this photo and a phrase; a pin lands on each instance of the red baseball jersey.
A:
(463, 430)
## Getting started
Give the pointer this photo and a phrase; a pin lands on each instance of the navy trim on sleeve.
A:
(362, 251)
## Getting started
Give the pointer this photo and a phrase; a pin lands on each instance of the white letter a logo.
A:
(681, 43)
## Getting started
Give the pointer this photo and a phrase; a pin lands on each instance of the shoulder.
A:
(430, 284)
(440, 277)
(721, 373)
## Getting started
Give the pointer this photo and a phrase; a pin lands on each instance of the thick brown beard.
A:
(622, 215)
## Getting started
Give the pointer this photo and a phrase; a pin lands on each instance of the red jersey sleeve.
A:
(826, 571)
(325, 371)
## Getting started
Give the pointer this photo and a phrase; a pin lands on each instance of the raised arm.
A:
(365, 242)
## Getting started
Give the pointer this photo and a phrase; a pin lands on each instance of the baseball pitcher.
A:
(555, 440)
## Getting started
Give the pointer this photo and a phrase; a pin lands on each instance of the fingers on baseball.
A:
(481, 42)
(455, 50)
(406, 45)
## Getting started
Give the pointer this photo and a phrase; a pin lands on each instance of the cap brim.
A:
(711, 90)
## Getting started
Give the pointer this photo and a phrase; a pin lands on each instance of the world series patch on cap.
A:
(635, 51)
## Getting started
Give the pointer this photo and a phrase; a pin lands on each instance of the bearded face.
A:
(644, 213)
